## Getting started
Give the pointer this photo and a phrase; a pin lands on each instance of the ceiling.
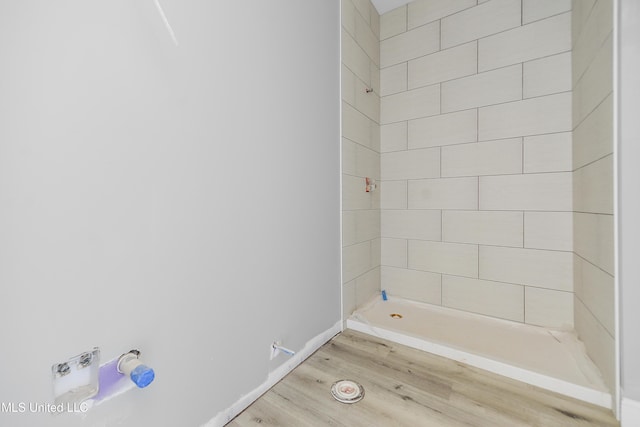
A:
(384, 6)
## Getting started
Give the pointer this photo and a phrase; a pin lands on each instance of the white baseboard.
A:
(629, 413)
(276, 375)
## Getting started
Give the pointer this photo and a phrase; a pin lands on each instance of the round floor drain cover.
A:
(347, 391)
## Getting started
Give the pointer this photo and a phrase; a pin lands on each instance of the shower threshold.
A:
(551, 359)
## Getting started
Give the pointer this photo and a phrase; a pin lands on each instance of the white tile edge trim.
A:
(539, 380)
(223, 417)
(630, 413)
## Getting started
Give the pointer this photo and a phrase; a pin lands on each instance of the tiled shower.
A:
(488, 126)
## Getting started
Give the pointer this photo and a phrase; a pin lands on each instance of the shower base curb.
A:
(546, 382)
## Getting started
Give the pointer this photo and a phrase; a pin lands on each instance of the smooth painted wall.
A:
(629, 62)
(181, 200)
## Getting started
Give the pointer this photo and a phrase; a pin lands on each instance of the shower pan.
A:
(489, 132)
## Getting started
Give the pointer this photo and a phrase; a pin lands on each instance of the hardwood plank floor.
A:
(408, 387)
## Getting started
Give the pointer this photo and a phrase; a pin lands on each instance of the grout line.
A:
(592, 314)
(592, 162)
(523, 225)
(477, 124)
(595, 265)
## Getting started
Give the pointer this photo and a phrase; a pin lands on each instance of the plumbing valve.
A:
(129, 364)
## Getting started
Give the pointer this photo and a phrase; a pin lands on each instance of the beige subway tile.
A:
(359, 160)
(412, 284)
(547, 75)
(594, 239)
(547, 153)
(593, 137)
(592, 35)
(493, 87)
(547, 192)
(368, 103)
(356, 260)
(375, 137)
(444, 65)
(411, 224)
(348, 299)
(596, 291)
(356, 126)
(354, 195)
(503, 300)
(393, 137)
(548, 308)
(599, 343)
(409, 105)
(523, 266)
(445, 193)
(393, 194)
(362, 6)
(483, 227)
(412, 44)
(393, 22)
(367, 286)
(376, 250)
(536, 40)
(348, 17)
(411, 164)
(503, 156)
(596, 83)
(534, 10)
(483, 20)
(375, 20)
(394, 252)
(444, 129)
(593, 187)
(360, 226)
(367, 40)
(393, 79)
(348, 86)
(580, 11)
(447, 258)
(548, 230)
(355, 58)
(375, 81)
(422, 12)
(546, 114)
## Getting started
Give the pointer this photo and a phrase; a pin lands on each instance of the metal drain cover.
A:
(347, 391)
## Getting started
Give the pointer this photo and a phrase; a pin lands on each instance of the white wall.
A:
(178, 200)
(629, 204)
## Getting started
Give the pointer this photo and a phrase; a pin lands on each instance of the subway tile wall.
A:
(476, 157)
(361, 224)
(490, 128)
(592, 78)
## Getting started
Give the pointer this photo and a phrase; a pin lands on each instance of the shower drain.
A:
(347, 391)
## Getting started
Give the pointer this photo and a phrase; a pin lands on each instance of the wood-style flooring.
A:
(408, 387)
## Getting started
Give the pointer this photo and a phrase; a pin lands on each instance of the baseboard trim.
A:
(276, 375)
(629, 413)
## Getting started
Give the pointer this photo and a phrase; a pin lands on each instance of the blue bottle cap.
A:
(142, 376)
